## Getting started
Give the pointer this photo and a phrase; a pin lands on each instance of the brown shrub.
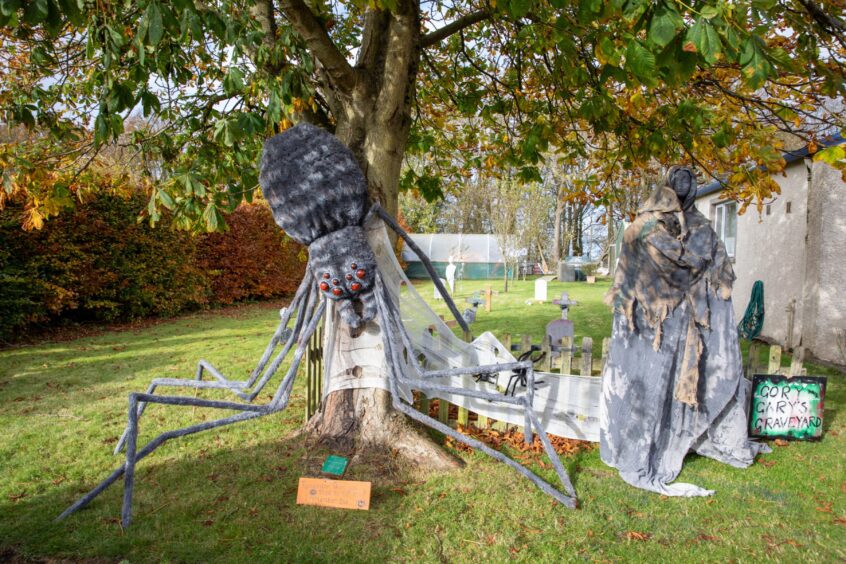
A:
(253, 259)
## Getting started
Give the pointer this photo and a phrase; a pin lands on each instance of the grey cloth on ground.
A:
(673, 382)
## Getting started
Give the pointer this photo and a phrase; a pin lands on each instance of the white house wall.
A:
(826, 266)
(771, 248)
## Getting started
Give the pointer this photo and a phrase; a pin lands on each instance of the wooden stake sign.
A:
(343, 494)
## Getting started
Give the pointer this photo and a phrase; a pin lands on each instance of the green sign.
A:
(787, 408)
(335, 465)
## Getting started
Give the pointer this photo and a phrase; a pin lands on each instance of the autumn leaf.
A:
(637, 536)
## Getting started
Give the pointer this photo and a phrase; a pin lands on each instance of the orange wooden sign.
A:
(343, 494)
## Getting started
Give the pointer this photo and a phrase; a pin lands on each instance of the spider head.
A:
(344, 266)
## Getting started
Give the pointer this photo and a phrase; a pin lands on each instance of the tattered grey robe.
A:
(674, 378)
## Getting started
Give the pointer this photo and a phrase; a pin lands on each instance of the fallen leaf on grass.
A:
(781, 442)
(58, 480)
(399, 491)
(208, 523)
(636, 536)
(840, 521)
(766, 463)
(825, 507)
(17, 496)
(707, 538)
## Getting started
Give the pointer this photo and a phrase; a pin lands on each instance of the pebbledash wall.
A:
(796, 247)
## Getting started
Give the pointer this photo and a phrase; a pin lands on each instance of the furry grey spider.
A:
(318, 195)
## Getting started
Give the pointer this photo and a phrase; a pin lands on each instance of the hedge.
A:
(98, 263)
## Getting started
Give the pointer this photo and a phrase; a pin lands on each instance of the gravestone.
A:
(566, 273)
(560, 328)
(540, 290)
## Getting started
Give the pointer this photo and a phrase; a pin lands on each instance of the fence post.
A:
(567, 355)
(774, 366)
(587, 356)
(606, 348)
(309, 383)
(796, 363)
(546, 348)
(755, 365)
(488, 298)
(463, 413)
(525, 344)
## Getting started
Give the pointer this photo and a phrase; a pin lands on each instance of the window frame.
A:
(720, 224)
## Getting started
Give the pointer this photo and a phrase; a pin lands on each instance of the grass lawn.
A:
(228, 495)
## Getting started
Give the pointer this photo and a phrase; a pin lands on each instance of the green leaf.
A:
(155, 28)
(709, 12)
(214, 219)
(641, 62)
(705, 38)
(664, 25)
(519, 8)
(165, 199)
(70, 8)
(36, 11)
(609, 51)
(756, 67)
(589, 9)
(634, 9)
(233, 82)
(831, 155)
(9, 7)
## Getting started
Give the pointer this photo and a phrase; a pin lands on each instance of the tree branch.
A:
(472, 18)
(319, 43)
(262, 12)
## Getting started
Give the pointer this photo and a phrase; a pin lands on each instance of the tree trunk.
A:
(556, 234)
(374, 122)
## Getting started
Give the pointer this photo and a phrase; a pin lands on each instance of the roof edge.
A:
(789, 157)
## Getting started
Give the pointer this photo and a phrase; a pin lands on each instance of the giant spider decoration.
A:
(318, 195)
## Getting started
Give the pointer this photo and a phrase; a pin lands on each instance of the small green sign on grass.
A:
(335, 465)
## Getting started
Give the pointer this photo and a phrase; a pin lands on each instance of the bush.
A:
(98, 263)
(95, 263)
(589, 268)
(253, 259)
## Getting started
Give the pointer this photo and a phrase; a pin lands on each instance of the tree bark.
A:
(373, 118)
(556, 234)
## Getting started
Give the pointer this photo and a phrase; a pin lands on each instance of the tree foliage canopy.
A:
(500, 86)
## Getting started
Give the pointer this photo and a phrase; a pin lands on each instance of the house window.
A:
(725, 224)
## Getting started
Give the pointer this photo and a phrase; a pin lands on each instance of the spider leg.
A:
(391, 222)
(391, 327)
(248, 411)
(133, 455)
(304, 310)
(296, 304)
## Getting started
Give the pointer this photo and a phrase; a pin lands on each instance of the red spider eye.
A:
(337, 291)
(324, 286)
(353, 266)
(348, 276)
(326, 275)
(355, 286)
(335, 281)
(360, 273)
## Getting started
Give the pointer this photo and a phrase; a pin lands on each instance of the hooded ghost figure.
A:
(674, 381)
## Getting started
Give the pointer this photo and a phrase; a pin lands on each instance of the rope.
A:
(753, 320)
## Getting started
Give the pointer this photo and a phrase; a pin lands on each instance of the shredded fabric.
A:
(673, 381)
